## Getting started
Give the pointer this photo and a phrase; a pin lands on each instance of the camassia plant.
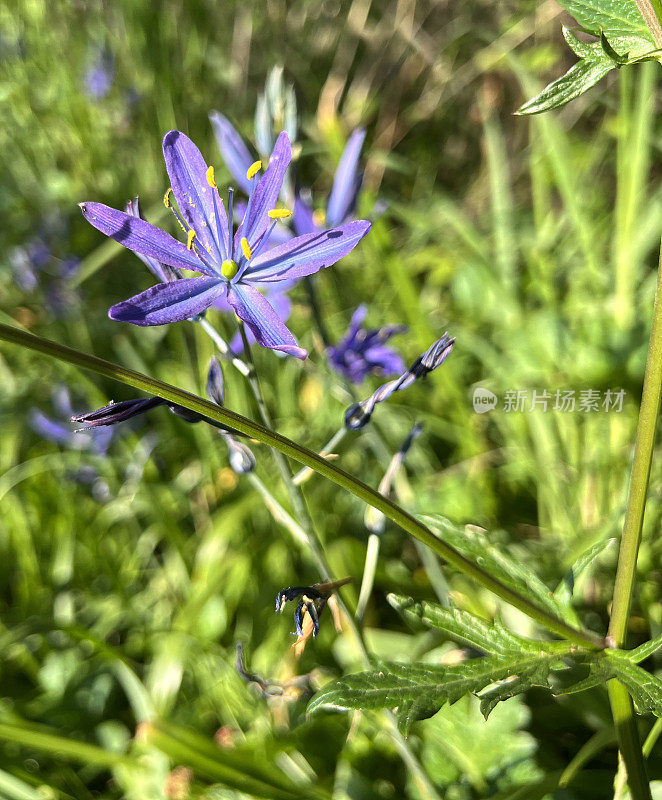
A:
(242, 259)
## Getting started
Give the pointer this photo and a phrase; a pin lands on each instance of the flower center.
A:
(229, 269)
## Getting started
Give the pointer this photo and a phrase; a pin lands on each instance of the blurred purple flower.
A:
(234, 151)
(233, 267)
(99, 76)
(358, 415)
(345, 189)
(362, 352)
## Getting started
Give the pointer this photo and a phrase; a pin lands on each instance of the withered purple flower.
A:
(312, 599)
(114, 413)
(234, 267)
(58, 429)
(358, 415)
(362, 351)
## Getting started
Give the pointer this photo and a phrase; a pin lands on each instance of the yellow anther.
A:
(229, 269)
(254, 168)
(210, 177)
(319, 216)
(246, 248)
(190, 236)
(166, 197)
(280, 213)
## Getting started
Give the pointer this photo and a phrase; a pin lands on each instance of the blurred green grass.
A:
(533, 242)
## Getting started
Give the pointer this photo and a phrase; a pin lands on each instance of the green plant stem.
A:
(622, 777)
(629, 744)
(621, 702)
(641, 466)
(308, 458)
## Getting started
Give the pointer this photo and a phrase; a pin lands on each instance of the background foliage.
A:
(128, 579)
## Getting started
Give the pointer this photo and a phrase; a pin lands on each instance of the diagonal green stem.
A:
(306, 457)
(621, 702)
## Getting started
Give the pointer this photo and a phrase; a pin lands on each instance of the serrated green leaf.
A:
(644, 688)
(615, 17)
(462, 626)
(418, 691)
(535, 675)
(577, 80)
(513, 573)
(643, 651)
(566, 587)
(597, 59)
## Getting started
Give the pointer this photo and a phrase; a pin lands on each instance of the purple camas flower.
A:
(345, 190)
(233, 267)
(362, 352)
(358, 415)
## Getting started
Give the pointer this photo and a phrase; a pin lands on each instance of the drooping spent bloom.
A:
(234, 267)
(115, 413)
(99, 76)
(345, 190)
(312, 599)
(241, 458)
(362, 351)
(358, 415)
(58, 429)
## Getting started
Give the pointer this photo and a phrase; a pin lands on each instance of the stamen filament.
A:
(259, 245)
(223, 250)
(179, 218)
(231, 221)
